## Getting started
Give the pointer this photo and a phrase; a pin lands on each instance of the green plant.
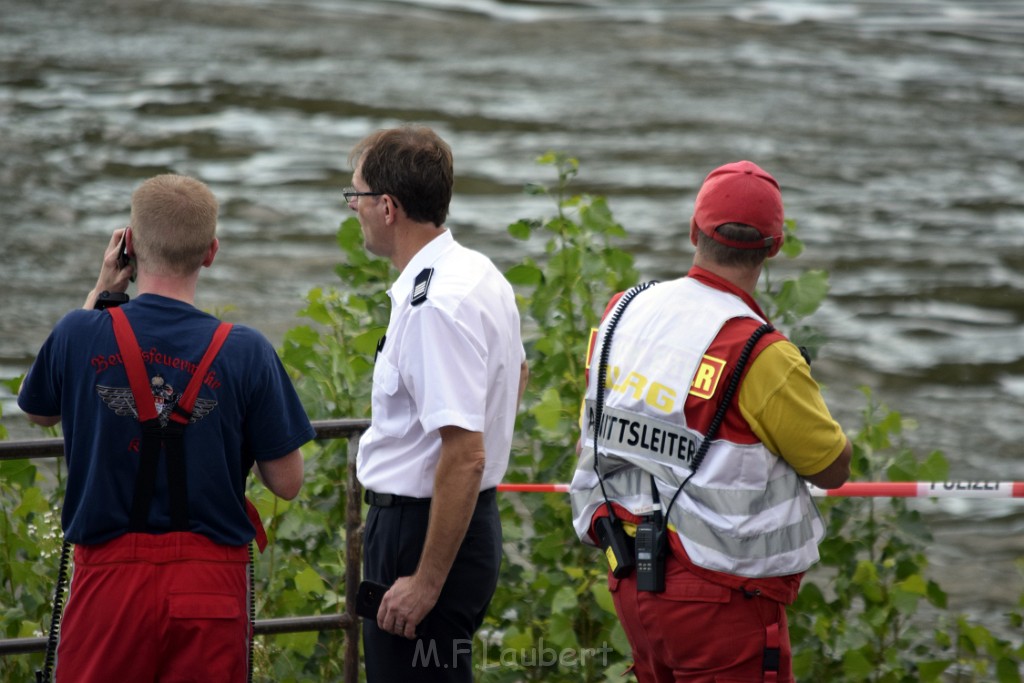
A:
(331, 358)
(30, 541)
(858, 616)
(552, 594)
(796, 297)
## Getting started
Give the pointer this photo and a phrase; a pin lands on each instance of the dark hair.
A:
(413, 165)
(731, 256)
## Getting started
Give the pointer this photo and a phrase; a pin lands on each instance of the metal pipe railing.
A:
(26, 449)
(263, 627)
(347, 621)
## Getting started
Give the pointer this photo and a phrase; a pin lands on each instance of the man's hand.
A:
(405, 605)
(112, 277)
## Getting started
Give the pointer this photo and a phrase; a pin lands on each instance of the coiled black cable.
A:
(252, 610)
(716, 421)
(602, 376)
(46, 674)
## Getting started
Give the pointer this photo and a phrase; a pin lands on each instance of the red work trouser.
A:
(146, 607)
(700, 632)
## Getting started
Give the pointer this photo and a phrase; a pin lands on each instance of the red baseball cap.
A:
(741, 192)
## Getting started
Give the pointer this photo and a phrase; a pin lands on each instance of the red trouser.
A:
(144, 607)
(700, 632)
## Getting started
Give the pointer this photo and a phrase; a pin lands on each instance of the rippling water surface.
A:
(896, 129)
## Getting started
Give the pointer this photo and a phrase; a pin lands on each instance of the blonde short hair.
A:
(174, 222)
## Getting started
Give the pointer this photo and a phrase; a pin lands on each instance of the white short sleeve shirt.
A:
(451, 360)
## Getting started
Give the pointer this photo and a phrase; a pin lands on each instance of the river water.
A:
(895, 128)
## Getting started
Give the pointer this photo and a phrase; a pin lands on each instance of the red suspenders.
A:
(139, 379)
(155, 435)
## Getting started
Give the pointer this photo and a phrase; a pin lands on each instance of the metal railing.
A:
(346, 621)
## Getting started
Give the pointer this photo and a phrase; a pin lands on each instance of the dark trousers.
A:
(392, 544)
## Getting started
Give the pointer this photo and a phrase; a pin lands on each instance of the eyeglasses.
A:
(350, 193)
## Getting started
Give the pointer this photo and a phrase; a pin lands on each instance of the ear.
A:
(211, 253)
(390, 209)
(693, 230)
(128, 247)
(777, 244)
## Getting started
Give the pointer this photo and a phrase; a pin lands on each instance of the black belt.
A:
(386, 500)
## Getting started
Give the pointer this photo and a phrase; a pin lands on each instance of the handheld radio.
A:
(650, 549)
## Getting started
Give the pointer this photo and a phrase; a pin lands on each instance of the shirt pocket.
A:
(391, 404)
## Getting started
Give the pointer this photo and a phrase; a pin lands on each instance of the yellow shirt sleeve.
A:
(785, 409)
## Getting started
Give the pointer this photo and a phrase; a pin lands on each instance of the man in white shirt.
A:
(447, 382)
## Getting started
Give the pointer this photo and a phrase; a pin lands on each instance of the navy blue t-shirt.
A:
(247, 410)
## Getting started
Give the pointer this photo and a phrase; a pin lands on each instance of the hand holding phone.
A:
(368, 599)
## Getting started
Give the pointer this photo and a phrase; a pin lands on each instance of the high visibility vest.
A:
(745, 511)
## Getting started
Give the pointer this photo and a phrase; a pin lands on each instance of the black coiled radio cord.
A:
(602, 377)
(716, 421)
(45, 675)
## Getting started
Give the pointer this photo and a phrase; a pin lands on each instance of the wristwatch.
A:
(110, 299)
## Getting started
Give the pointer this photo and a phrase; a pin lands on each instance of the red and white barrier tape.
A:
(869, 489)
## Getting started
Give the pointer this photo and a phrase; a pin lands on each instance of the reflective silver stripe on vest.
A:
(771, 532)
(667, 451)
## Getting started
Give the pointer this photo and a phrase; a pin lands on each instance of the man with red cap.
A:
(701, 425)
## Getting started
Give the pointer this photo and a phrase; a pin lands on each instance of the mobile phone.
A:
(368, 599)
(123, 260)
(122, 254)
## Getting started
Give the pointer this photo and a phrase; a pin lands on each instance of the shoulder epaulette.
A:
(420, 286)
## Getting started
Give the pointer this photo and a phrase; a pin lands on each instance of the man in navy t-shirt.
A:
(164, 410)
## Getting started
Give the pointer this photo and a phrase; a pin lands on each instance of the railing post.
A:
(353, 560)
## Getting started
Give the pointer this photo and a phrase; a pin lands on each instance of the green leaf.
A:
(300, 643)
(1008, 670)
(12, 384)
(525, 275)
(804, 295)
(915, 584)
(602, 596)
(548, 411)
(857, 666)
(521, 230)
(934, 468)
(932, 671)
(21, 473)
(309, 581)
(792, 246)
(561, 633)
(564, 600)
(367, 341)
